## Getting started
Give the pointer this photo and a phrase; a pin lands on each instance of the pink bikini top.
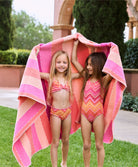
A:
(57, 86)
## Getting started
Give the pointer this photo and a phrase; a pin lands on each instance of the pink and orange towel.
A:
(32, 130)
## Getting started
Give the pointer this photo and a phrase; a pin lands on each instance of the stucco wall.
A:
(11, 75)
(132, 81)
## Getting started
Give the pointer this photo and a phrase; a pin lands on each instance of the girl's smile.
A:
(61, 63)
(89, 67)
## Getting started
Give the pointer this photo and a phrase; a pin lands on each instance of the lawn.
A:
(118, 154)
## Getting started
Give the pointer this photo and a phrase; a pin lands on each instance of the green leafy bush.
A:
(131, 54)
(129, 102)
(8, 57)
(14, 56)
(23, 56)
(134, 106)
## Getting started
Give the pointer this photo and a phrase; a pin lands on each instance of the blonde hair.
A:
(53, 72)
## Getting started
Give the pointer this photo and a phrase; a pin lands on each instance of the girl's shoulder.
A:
(92, 82)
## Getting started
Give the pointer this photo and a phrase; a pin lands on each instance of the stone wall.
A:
(11, 75)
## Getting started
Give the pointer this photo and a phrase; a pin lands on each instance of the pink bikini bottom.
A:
(61, 113)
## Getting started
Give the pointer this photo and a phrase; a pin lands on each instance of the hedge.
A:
(8, 57)
(22, 56)
(14, 56)
(129, 102)
(131, 54)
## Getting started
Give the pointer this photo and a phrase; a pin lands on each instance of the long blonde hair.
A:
(53, 72)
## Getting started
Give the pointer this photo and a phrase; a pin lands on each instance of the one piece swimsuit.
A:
(61, 113)
(92, 105)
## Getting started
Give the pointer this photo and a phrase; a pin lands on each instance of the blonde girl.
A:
(93, 92)
(59, 94)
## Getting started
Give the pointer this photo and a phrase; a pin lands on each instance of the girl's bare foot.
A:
(63, 165)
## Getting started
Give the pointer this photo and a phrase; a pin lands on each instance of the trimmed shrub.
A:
(102, 20)
(129, 102)
(14, 56)
(6, 25)
(23, 56)
(8, 57)
(131, 54)
(134, 106)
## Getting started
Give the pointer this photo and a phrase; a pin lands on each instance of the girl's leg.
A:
(98, 126)
(86, 128)
(66, 126)
(55, 123)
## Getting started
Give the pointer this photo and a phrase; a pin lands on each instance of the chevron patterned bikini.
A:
(57, 86)
(92, 105)
(61, 113)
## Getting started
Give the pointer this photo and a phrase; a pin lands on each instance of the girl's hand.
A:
(37, 50)
(74, 60)
(76, 42)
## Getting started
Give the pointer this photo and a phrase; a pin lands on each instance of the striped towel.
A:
(32, 130)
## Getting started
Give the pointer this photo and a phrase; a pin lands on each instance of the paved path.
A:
(125, 124)
(8, 97)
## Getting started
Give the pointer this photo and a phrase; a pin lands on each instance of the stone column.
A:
(136, 36)
(61, 30)
(130, 25)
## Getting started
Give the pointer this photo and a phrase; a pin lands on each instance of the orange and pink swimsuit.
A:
(92, 105)
(61, 113)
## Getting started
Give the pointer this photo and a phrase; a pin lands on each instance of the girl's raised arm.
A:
(74, 60)
(75, 76)
(44, 76)
(107, 79)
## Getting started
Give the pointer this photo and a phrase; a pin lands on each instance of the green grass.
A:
(118, 154)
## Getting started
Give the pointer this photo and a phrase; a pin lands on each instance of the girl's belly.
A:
(60, 104)
(61, 99)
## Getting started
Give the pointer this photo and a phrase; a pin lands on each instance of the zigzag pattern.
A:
(92, 105)
(32, 128)
(61, 113)
(57, 86)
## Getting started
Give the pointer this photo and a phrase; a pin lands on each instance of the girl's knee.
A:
(99, 146)
(55, 143)
(87, 146)
(65, 141)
